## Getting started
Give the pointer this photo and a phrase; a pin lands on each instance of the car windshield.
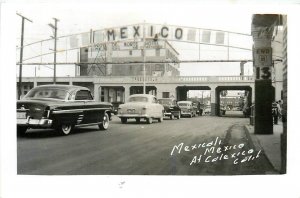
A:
(54, 93)
(138, 99)
(165, 102)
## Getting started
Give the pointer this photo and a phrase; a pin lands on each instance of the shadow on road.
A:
(51, 133)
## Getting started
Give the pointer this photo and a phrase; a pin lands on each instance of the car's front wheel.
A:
(65, 129)
(105, 122)
(21, 130)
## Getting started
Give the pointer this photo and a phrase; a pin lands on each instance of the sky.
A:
(81, 17)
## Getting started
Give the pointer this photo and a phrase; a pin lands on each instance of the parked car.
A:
(61, 107)
(141, 106)
(171, 108)
(207, 110)
(187, 108)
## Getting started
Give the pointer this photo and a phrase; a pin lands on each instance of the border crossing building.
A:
(127, 58)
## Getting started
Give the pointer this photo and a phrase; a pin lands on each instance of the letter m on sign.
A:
(110, 33)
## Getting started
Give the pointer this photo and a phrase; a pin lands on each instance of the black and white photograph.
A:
(146, 93)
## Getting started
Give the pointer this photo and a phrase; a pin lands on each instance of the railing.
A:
(192, 79)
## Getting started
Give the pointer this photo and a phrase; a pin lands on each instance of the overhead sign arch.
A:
(138, 32)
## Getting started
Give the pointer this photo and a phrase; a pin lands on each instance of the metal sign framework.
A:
(183, 34)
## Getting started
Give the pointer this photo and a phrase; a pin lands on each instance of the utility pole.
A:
(21, 55)
(55, 41)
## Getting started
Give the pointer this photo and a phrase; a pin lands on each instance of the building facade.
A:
(125, 58)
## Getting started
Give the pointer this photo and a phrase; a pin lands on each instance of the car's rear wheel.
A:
(123, 120)
(21, 130)
(149, 120)
(65, 129)
(105, 122)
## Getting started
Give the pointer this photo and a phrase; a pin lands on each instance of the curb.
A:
(255, 144)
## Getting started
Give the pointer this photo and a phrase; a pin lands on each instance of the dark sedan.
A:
(171, 108)
(61, 107)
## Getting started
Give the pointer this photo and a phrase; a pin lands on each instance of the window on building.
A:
(166, 94)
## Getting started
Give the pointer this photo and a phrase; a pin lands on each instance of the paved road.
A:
(142, 149)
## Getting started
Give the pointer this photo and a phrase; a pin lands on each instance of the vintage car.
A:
(207, 110)
(188, 108)
(61, 107)
(171, 108)
(141, 106)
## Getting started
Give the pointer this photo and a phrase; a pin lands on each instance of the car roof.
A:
(67, 87)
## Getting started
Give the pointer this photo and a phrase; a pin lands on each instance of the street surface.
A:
(143, 149)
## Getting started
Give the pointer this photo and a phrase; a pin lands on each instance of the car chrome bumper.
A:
(167, 114)
(133, 116)
(44, 123)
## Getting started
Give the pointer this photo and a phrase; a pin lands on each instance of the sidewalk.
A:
(270, 144)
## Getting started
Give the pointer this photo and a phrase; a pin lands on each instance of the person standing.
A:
(278, 104)
(275, 112)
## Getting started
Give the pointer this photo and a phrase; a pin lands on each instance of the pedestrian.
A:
(278, 104)
(275, 113)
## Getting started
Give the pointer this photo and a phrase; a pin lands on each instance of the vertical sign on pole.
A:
(263, 61)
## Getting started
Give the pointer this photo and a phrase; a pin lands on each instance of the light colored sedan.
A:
(141, 106)
(188, 108)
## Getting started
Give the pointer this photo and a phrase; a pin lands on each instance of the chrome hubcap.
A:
(66, 128)
(105, 121)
